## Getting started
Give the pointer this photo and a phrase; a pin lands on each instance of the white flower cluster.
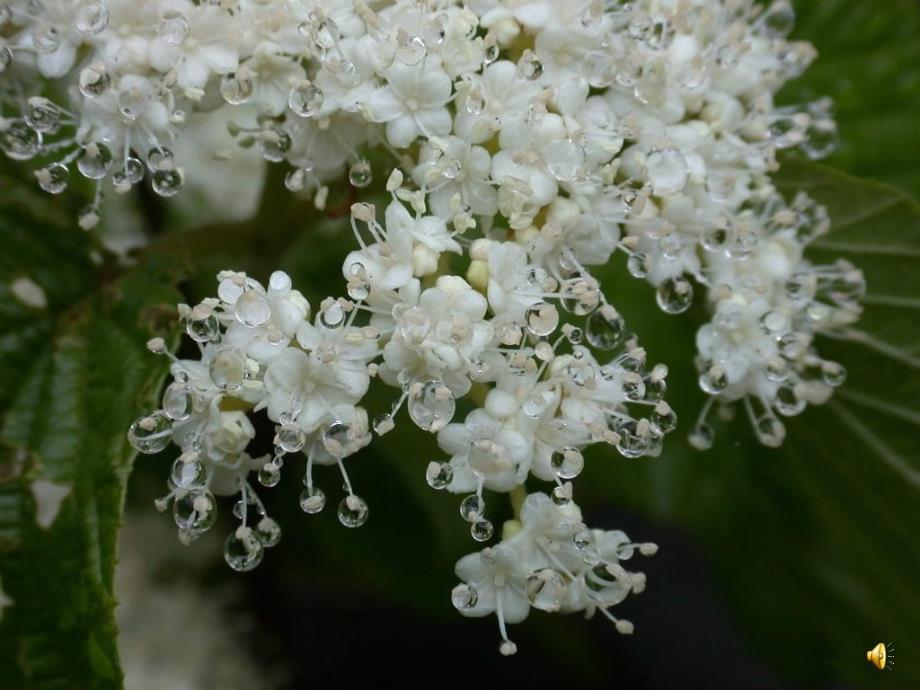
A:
(530, 140)
(574, 129)
(543, 397)
(549, 561)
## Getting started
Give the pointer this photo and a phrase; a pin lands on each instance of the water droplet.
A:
(253, 308)
(42, 115)
(95, 160)
(701, 437)
(667, 171)
(562, 495)
(230, 289)
(196, 511)
(787, 403)
(582, 539)
(777, 369)
(432, 406)
(655, 388)
(475, 101)
(159, 158)
(439, 475)
(793, 345)
(632, 443)
(600, 577)
(536, 405)
(637, 265)
(580, 372)
(413, 326)
(779, 19)
(663, 419)
(274, 144)
(203, 330)
(94, 80)
(353, 511)
(491, 53)
(90, 16)
(243, 550)
(174, 28)
(133, 100)
(773, 322)
(770, 431)
(228, 369)
(294, 180)
(19, 141)
(236, 90)
(674, 295)
(541, 319)
(411, 50)
(333, 315)
(312, 502)
(269, 474)
(166, 182)
(529, 67)
(188, 475)
(359, 286)
(580, 296)
(743, 242)
(151, 433)
(482, 530)
(605, 328)
(671, 245)
(714, 238)
(131, 172)
(472, 507)
(834, 374)
(305, 99)
(383, 423)
(53, 178)
(46, 38)
(291, 439)
(269, 532)
(821, 139)
(567, 462)
(464, 596)
(360, 174)
(564, 159)
(714, 380)
(546, 589)
(177, 401)
(337, 438)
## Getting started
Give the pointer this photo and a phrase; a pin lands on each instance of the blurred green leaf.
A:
(869, 63)
(814, 543)
(73, 374)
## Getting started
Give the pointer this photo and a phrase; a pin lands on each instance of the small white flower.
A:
(413, 102)
(196, 41)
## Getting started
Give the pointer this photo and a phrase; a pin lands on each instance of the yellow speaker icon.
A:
(878, 656)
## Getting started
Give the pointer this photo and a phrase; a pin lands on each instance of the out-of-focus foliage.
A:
(72, 374)
(869, 63)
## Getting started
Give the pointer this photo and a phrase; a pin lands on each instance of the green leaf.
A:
(869, 63)
(74, 372)
(814, 544)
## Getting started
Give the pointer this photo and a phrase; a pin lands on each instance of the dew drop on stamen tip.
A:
(312, 502)
(243, 550)
(353, 511)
